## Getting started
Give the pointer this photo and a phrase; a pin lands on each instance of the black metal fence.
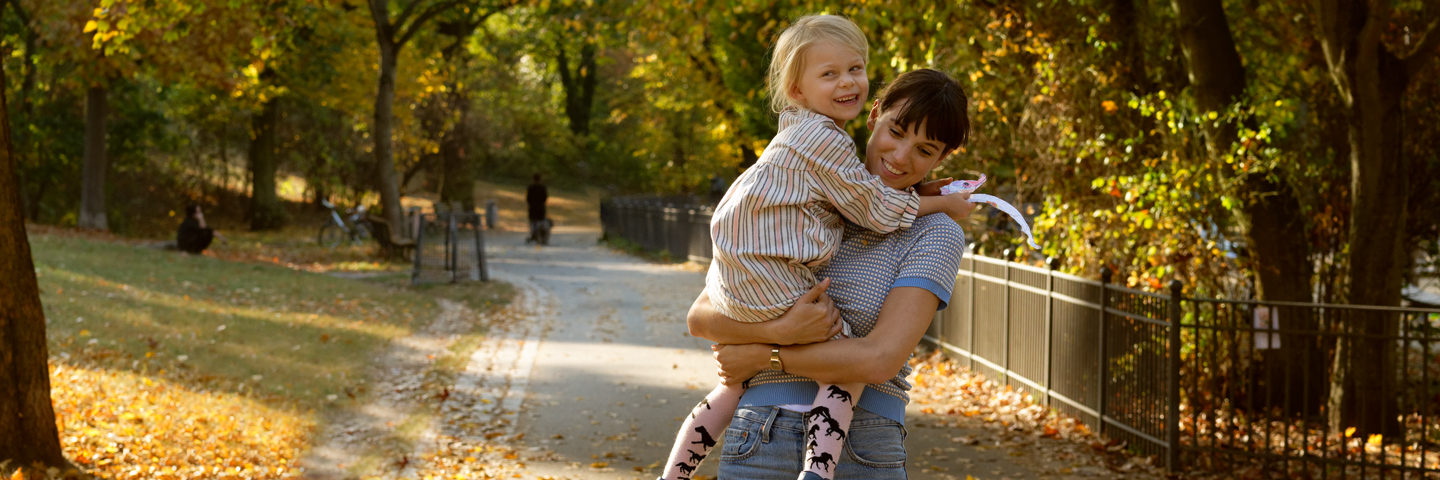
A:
(677, 226)
(449, 247)
(1292, 389)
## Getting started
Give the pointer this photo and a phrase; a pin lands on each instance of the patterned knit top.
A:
(866, 267)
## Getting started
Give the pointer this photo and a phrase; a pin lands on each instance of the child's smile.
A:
(833, 82)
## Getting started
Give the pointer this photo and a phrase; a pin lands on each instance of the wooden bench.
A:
(390, 247)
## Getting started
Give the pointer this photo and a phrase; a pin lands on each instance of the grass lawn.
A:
(165, 363)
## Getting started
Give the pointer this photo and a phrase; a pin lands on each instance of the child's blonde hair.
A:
(789, 58)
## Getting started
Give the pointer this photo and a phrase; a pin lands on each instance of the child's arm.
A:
(813, 318)
(957, 206)
(841, 178)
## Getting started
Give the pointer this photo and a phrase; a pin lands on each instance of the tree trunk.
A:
(384, 154)
(92, 190)
(1269, 212)
(1371, 82)
(27, 419)
(579, 87)
(1126, 24)
(265, 210)
(459, 174)
(1379, 194)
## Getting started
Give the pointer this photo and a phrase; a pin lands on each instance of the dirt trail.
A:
(587, 376)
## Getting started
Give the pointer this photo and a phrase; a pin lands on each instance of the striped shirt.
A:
(784, 216)
(866, 267)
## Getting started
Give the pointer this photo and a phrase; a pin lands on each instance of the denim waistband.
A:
(792, 420)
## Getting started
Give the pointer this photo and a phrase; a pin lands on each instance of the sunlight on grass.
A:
(164, 364)
(309, 334)
(296, 247)
(125, 425)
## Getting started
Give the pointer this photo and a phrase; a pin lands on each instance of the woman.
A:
(887, 286)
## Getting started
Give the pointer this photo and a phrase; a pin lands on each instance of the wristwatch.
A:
(775, 363)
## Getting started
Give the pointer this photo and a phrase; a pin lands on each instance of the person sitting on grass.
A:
(194, 236)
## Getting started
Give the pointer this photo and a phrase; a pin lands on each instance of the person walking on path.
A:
(535, 197)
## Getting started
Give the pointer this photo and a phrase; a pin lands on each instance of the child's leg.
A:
(701, 431)
(826, 426)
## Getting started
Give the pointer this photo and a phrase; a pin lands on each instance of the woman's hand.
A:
(812, 319)
(932, 188)
(737, 363)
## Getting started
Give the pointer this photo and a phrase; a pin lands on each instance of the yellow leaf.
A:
(89, 27)
(1349, 431)
(599, 464)
(1375, 439)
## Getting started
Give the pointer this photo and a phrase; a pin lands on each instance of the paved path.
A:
(614, 370)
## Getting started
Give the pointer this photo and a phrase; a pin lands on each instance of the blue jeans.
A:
(769, 443)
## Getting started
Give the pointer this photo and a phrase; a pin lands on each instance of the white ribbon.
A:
(968, 186)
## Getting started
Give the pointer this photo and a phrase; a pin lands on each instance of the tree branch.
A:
(1333, 44)
(407, 12)
(442, 7)
(407, 31)
(1425, 52)
(20, 11)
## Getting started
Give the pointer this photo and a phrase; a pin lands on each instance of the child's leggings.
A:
(826, 425)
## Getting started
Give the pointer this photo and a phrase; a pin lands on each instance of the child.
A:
(782, 219)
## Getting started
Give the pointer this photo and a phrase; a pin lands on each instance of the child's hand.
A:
(932, 188)
(957, 206)
(737, 363)
(812, 319)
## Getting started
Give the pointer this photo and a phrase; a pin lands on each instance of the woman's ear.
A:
(874, 115)
(795, 93)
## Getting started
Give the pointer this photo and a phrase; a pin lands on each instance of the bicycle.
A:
(336, 229)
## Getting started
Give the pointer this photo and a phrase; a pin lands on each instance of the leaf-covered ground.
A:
(1048, 442)
(166, 365)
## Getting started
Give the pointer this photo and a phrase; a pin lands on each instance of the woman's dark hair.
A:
(933, 98)
(191, 210)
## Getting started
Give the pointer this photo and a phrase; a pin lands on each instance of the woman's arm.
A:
(876, 358)
(814, 318)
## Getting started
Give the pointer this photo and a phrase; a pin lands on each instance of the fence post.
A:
(1053, 263)
(419, 247)
(480, 251)
(971, 317)
(452, 247)
(1105, 275)
(1172, 382)
(1006, 356)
